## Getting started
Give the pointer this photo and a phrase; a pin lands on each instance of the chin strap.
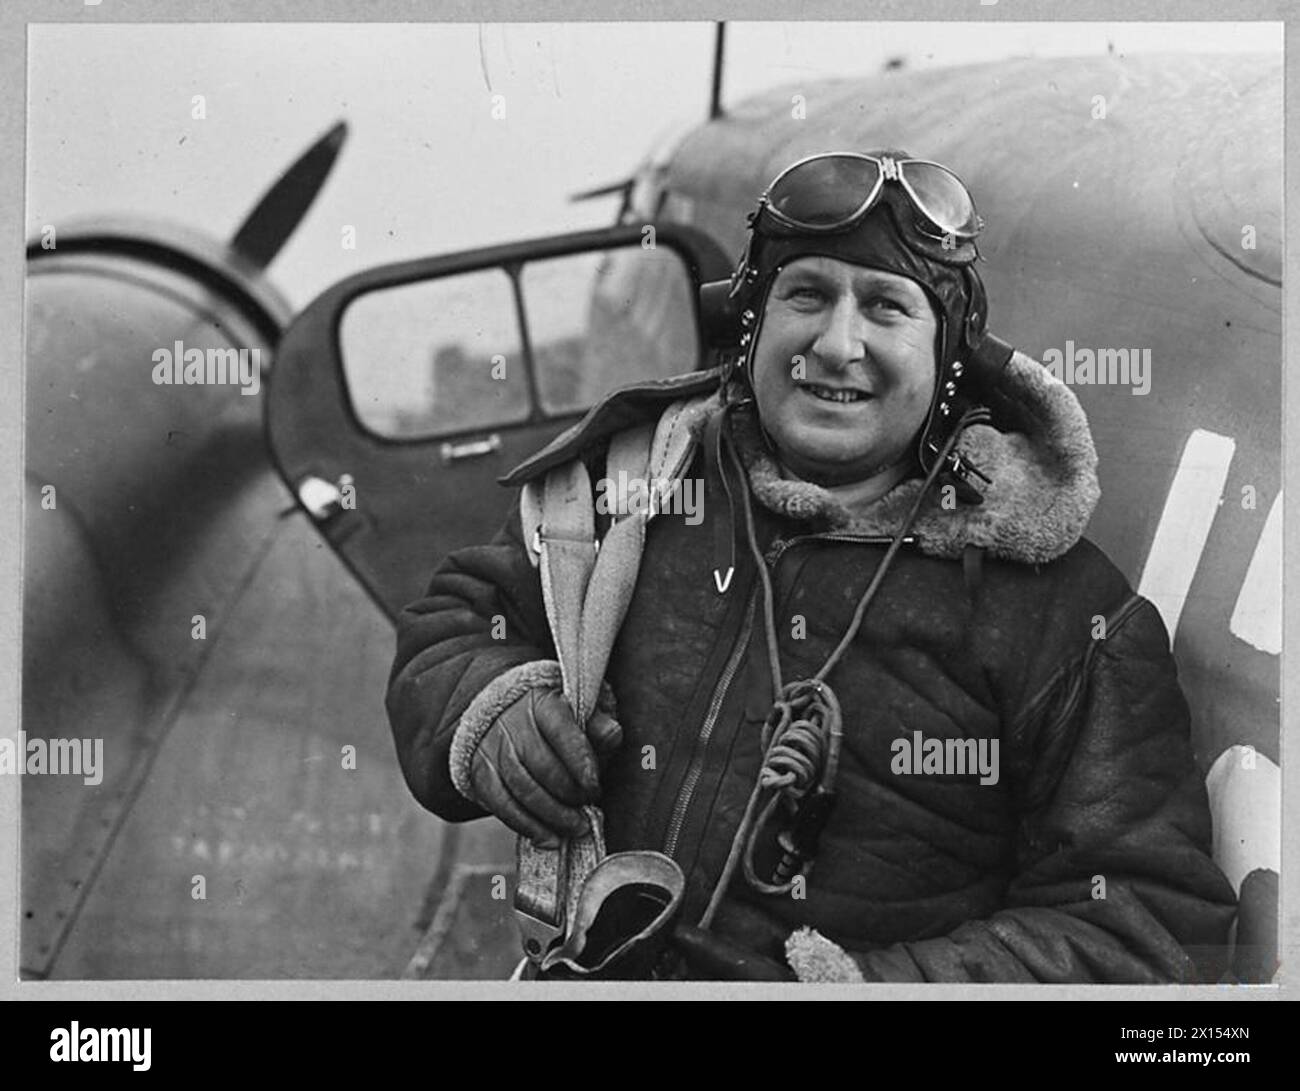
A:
(802, 735)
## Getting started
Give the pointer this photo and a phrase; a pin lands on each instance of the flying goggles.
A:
(832, 191)
(826, 197)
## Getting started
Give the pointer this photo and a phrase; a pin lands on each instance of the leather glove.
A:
(535, 767)
(713, 958)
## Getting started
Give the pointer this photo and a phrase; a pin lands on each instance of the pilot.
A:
(888, 711)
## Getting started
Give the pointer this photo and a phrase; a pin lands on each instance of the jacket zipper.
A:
(696, 769)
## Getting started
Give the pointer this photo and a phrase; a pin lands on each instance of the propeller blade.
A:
(274, 218)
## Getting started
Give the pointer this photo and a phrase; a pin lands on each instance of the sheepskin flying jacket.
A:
(1086, 860)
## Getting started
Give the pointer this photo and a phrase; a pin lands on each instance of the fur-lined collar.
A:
(1043, 492)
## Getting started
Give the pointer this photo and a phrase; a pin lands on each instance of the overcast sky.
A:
(426, 168)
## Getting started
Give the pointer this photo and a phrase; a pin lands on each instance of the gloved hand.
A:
(715, 958)
(535, 767)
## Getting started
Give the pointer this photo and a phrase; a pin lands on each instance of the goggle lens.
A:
(827, 192)
(939, 194)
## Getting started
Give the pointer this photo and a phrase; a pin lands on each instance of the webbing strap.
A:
(586, 593)
(609, 591)
(566, 558)
(587, 589)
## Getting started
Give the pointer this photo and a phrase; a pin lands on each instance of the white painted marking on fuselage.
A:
(1257, 617)
(1189, 511)
(1245, 790)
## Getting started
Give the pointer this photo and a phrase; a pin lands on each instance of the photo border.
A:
(16, 16)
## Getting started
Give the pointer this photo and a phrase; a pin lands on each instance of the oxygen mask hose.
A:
(803, 733)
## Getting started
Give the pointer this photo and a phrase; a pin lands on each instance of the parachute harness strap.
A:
(803, 733)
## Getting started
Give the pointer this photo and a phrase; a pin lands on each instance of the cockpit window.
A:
(437, 357)
(599, 321)
(466, 352)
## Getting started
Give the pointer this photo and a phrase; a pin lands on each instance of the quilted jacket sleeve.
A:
(1115, 882)
(481, 618)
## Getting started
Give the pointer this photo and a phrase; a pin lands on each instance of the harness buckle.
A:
(538, 539)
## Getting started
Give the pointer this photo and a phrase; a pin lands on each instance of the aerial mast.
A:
(715, 101)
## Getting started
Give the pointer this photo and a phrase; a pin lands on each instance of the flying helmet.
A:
(889, 211)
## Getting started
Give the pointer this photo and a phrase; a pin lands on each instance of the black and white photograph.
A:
(658, 502)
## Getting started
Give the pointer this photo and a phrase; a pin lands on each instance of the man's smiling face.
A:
(866, 340)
